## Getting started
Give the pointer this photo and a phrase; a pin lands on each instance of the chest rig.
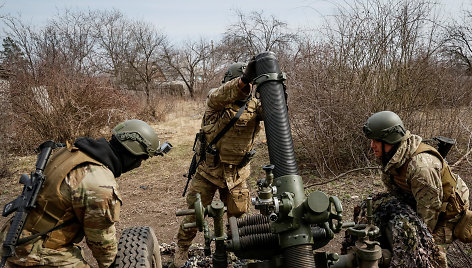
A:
(54, 209)
(452, 203)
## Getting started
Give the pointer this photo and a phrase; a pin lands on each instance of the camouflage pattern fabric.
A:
(93, 194)
(220, 108)
(402, 232)
(223, 173)
(424, 178)
(236, 200)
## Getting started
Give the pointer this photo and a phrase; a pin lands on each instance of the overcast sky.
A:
(191, 19)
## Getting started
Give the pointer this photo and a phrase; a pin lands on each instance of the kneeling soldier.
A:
(80, 196)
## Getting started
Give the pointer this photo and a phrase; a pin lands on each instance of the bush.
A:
(160, 106)
(60, 106)
(377, 58)
(5, 134)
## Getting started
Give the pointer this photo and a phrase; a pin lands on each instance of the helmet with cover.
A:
(234, 70)
(137, 137)
(385, 126)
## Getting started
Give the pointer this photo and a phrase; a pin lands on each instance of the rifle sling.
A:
(219, 136)
(24, 240)
(229, 125)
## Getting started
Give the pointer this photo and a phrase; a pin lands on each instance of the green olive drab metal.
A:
(290, 225)
(137, 137)
(234, 70)
(384, 126)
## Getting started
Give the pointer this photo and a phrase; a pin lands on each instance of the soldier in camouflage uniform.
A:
(228, 170)
(80, 192)
(419, 175)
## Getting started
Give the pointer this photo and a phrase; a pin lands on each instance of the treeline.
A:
(86, 70)
(381, 55)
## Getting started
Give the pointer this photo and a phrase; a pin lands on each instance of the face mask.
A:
(130, 162)
(131, 166)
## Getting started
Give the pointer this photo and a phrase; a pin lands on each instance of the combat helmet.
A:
(384, 126)
(234, 70)
(137, 137)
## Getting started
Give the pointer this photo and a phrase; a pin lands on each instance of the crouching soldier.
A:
(80, 199)
(418, 174)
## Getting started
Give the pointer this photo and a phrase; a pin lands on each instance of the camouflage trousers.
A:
(443, 237)
(77, 265)
(35, 255)
(236, 200)
(72, 257)
(442, 258)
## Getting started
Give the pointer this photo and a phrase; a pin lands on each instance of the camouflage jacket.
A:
(423, 175)
(91, 192)
(222, 104)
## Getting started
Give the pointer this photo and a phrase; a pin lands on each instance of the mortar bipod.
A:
(216, 211)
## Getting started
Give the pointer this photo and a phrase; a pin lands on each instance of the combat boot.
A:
(442, 258)
(180, 257)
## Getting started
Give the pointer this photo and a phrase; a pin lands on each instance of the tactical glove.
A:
(249, 72)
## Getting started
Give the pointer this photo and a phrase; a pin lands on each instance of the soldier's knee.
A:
(238, 202)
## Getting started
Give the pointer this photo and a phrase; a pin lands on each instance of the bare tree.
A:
(458, 42)
(144, 54)
(73, 32)
(254, 33)
(211, 66)
(191, 63)
(54, 87)
(112, 32)
(23, 36)
(378, 55)
(66, 41)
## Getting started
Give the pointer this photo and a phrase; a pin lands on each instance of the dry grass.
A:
(153, 193)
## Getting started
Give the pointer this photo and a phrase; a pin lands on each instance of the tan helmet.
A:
(137, 137)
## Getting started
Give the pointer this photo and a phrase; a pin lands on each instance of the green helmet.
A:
(137, 137)
(234, 70)
(384, 126)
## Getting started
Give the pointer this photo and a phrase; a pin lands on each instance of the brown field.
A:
(152, 193)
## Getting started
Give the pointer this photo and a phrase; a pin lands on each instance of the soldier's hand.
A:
(249, 72)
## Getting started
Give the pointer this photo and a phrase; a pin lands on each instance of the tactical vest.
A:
(452, 203)
(234, 145)
(52, 208)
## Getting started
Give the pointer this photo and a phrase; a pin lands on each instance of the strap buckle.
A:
(269, 77)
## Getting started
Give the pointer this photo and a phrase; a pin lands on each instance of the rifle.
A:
(23, 204)
(199, 137)
(203, 148)
(443, 144)
(191, 171)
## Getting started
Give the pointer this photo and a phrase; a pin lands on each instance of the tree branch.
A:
(340, 175)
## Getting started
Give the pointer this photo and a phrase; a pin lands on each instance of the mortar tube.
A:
(276, 120)
(282, 155)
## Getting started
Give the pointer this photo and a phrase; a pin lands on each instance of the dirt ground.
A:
(153, 193)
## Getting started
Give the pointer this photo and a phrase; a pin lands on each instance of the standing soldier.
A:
(418, 174)
(223, 163)
(80, 198)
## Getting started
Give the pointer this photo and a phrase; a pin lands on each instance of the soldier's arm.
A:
(424, 172)
(227, 93)
(97, 206)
